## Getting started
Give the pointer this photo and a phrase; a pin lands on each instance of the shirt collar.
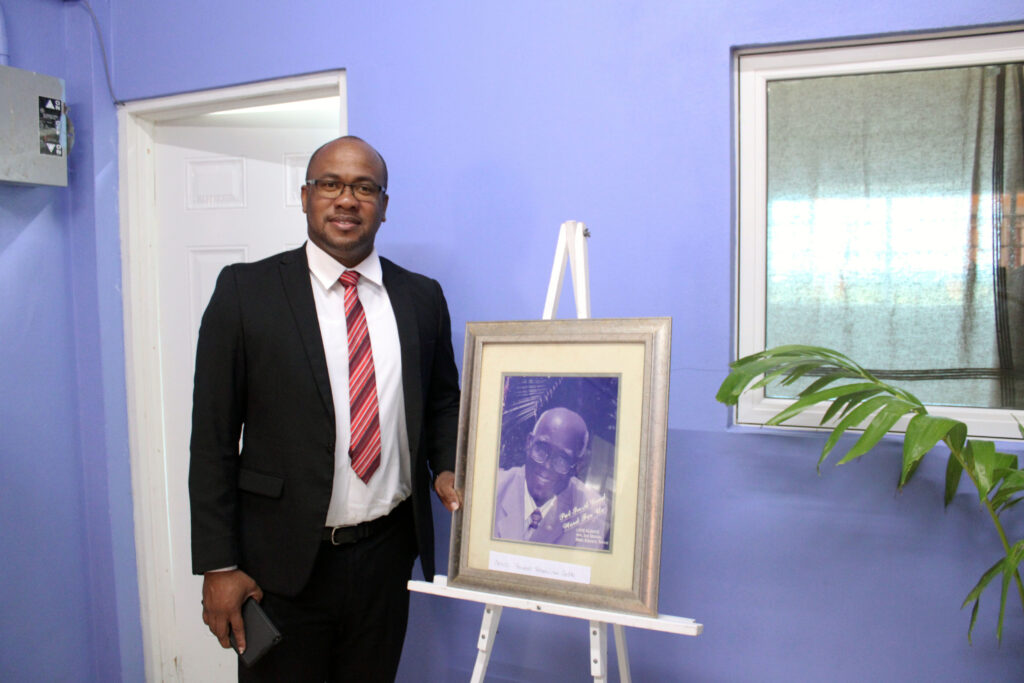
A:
(327, 270)
(530, 504)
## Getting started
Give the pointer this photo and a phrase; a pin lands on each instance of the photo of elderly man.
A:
(547, 498)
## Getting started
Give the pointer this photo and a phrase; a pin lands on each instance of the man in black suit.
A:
(295, 517)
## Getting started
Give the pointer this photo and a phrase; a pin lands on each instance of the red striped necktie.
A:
(364, 445)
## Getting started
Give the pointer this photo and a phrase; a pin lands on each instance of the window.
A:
(881, 210)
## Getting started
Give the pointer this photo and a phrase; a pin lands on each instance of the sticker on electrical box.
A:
(51, 113)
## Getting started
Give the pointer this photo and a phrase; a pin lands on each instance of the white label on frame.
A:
(545, 569)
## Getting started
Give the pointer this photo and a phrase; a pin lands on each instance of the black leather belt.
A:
(344, 535)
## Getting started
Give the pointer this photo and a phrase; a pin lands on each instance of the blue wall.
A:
(499, 121)
(69, 606)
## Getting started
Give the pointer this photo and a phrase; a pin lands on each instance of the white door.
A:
(227, 190)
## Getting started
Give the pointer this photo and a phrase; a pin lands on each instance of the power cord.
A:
(103, 49)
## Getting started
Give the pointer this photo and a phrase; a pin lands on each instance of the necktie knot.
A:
(349, 278)
(535, 518)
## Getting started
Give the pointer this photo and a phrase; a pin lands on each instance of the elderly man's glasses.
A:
(330, 188)
(556, 459)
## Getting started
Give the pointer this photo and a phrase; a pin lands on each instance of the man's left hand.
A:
(444, 485)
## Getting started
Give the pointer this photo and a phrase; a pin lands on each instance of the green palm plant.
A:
(859, 398)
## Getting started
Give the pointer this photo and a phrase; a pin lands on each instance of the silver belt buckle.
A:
(333, 532)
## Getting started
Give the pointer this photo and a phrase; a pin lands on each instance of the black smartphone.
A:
(260, 633)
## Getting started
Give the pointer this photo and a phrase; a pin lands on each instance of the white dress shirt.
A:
(352, 501)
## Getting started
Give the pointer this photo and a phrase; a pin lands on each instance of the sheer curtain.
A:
(1008, 222)
(893, 233)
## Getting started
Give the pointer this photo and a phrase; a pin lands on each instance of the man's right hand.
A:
(223, 595)
(444, 486)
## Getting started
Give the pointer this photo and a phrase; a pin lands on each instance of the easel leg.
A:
(488, 630)
(622, 653)
(599, 650)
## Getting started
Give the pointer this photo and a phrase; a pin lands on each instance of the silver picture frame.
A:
(614, 373)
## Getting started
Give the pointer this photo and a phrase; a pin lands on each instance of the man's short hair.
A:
(351, 138)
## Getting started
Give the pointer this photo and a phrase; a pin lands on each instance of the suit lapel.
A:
(408, 338)
(295, 279)
(509, 515)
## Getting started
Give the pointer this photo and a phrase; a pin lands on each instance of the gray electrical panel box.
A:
(33, 128)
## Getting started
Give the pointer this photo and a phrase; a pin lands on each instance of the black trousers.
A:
(348, 623)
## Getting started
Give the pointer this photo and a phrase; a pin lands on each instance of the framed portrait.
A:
(561, 460)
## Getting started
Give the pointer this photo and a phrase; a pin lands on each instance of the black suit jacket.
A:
(261, 374)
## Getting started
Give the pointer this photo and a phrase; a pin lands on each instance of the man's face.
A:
(553, 452)
(543, 480)
(345, 227)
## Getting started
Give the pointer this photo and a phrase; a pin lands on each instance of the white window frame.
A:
(753, 68)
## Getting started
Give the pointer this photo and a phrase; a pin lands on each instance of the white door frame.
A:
(139, 226)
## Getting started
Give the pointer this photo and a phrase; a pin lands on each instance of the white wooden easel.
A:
(571, 248)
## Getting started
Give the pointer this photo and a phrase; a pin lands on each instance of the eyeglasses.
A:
(329, 188)
(541, 452)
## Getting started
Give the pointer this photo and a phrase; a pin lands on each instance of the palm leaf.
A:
(825, 380)
(923, 432)
(987, 462)
(842, 405)
(1011, 483)
(852, 419)
(805, 402)
(1010, 567)
(975, 593)
(954, 470)
(855, 396)
(880, 425)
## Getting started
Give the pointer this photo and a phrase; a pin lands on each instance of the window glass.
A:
(881, 226)
(889, 205)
